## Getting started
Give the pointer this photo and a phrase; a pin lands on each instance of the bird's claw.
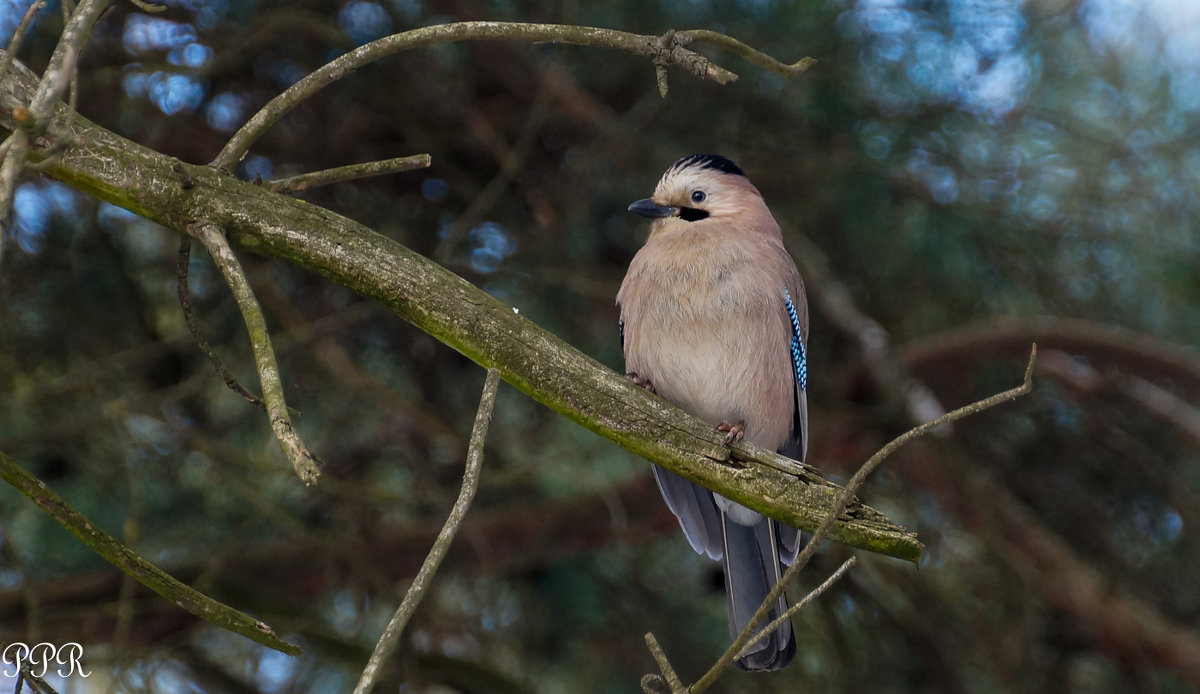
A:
(639, 381)
(734, 432)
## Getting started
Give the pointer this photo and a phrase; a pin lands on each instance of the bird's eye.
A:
(698, 196)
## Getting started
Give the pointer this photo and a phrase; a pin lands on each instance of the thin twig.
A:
(189, 317)
(34, 117)
(37, 685)
(14, 44)
(304, 462)
(347, 173)
(653, 684)
(148, 7)
(664, 46)
(651, 46)
(847, 493)
(954, 415)
(800, 605)
(669, 676)
(416, 591)
(66, 55)
(50, 156)
(67, 8)
(758, 58)
(133, 564)
(16, 149)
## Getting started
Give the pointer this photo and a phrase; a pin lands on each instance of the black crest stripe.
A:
(708, 161)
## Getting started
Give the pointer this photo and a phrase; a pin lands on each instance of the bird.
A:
(713, 318)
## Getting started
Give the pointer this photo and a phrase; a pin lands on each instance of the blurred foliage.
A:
(956, 160)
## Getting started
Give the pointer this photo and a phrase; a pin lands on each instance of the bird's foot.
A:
(639, 381)
(734, 432)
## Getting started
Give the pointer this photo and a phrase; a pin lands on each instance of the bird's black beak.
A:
(651, 209)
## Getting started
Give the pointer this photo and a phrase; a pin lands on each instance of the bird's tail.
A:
(751, 568)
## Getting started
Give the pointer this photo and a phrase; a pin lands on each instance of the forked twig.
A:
(304, 462)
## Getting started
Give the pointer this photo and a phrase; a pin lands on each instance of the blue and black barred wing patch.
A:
(799, 356)
(797, 445)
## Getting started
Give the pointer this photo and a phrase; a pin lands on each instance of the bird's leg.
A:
(735, 432)
(639, 381)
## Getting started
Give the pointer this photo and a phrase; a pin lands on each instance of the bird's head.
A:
(697, 188)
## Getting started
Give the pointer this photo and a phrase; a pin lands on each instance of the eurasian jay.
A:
(714, 319)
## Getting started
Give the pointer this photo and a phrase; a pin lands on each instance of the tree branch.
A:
(31, 114)
(449, 308)
(133, 564)
(800, 605)
(66, 54)
(664, 50)
(507, 538)
(14, 44)
(758, 58)
(304, 462)
(1105, 345)
(37, 684)
(351, 172)
(652, 684)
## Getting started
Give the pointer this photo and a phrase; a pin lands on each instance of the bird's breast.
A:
(708, 335)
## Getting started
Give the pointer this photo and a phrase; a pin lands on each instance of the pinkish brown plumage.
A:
(714, 318)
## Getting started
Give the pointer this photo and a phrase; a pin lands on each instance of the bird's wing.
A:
(796, 307)
(696, 510)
